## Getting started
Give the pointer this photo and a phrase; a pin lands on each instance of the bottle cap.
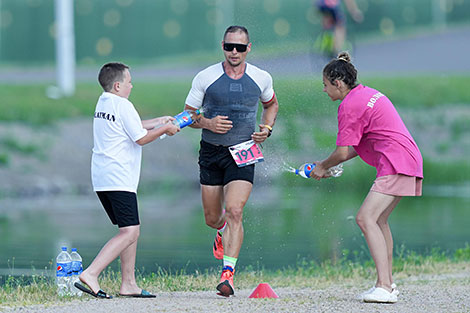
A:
(74, 249)
(64, 248)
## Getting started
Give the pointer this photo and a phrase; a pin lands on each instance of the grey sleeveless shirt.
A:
(218, 94)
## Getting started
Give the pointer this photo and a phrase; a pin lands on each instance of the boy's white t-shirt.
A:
(116, 158)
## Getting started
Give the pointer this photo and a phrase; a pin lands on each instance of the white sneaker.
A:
(380, 295)
(361, 296)
(395, 289)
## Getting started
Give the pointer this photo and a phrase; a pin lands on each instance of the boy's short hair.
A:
(110, 73)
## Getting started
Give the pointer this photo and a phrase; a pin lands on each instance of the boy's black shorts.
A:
(217, 167)
(121, 207)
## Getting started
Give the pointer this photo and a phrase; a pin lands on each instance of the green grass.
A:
(20, 147)
(297, 97)
(423, 92)
(20, 291)
(305, 111)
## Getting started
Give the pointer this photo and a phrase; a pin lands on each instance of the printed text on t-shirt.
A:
(374, 99)
(105, 116)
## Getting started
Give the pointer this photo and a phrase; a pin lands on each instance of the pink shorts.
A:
(398, 185)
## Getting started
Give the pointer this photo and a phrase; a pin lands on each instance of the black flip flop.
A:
(143, 294)
(100, 294)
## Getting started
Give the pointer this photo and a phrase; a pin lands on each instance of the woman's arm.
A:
(340, 155)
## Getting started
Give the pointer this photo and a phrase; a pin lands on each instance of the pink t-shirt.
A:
(368, 121)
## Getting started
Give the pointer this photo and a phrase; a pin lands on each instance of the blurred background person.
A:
(333, 19)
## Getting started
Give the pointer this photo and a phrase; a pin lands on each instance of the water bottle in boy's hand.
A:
(185, 118)
(306, 169)
(63, 272)
(77, 269)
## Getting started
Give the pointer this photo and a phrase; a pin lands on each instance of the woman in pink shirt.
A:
(369, 126)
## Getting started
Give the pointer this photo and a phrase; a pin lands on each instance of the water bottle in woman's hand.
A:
(306, 169)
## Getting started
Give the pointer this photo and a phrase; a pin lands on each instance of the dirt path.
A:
(425, 293)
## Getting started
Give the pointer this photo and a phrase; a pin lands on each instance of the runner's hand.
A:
(220, 124)
(260, 136)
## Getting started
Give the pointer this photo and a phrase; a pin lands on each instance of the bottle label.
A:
(308, 169)
(184, 119)
(63, 269)
(246, 153)
(77, 268)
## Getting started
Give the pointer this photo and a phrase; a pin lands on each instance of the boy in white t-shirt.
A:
(119, 135)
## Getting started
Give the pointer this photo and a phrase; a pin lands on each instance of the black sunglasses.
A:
(240, 47)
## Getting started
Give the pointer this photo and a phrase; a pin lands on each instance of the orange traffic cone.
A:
(263, 291)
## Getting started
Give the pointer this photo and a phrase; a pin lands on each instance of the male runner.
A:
(229, 93)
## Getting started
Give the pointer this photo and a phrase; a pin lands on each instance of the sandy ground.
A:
(426, 293)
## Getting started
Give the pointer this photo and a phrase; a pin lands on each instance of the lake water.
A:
(282, 226)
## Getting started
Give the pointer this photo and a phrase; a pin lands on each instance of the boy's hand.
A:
(165, 119)
(171, 129)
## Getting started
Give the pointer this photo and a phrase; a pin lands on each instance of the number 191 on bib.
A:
(246, 153)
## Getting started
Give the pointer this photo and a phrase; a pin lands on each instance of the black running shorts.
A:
(217, 167)
(121, 207)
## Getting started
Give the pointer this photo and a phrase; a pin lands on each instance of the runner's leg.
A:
(236, 193)
(212, 202)
(339, 38)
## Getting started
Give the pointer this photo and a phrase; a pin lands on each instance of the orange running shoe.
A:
(218, 248)
(225, 287)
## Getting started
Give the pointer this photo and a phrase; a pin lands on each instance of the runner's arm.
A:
(268, 119)
(219, 124)
(353, 9)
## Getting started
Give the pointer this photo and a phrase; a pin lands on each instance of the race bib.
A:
(246, 153)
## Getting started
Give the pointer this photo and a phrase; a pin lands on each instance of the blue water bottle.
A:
(77, 269)
(63, 272)
(305, 170)
(185, 118)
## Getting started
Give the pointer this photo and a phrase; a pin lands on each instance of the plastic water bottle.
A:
(185, 118)
(63, 272)
(306, 169)
(77, 269)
